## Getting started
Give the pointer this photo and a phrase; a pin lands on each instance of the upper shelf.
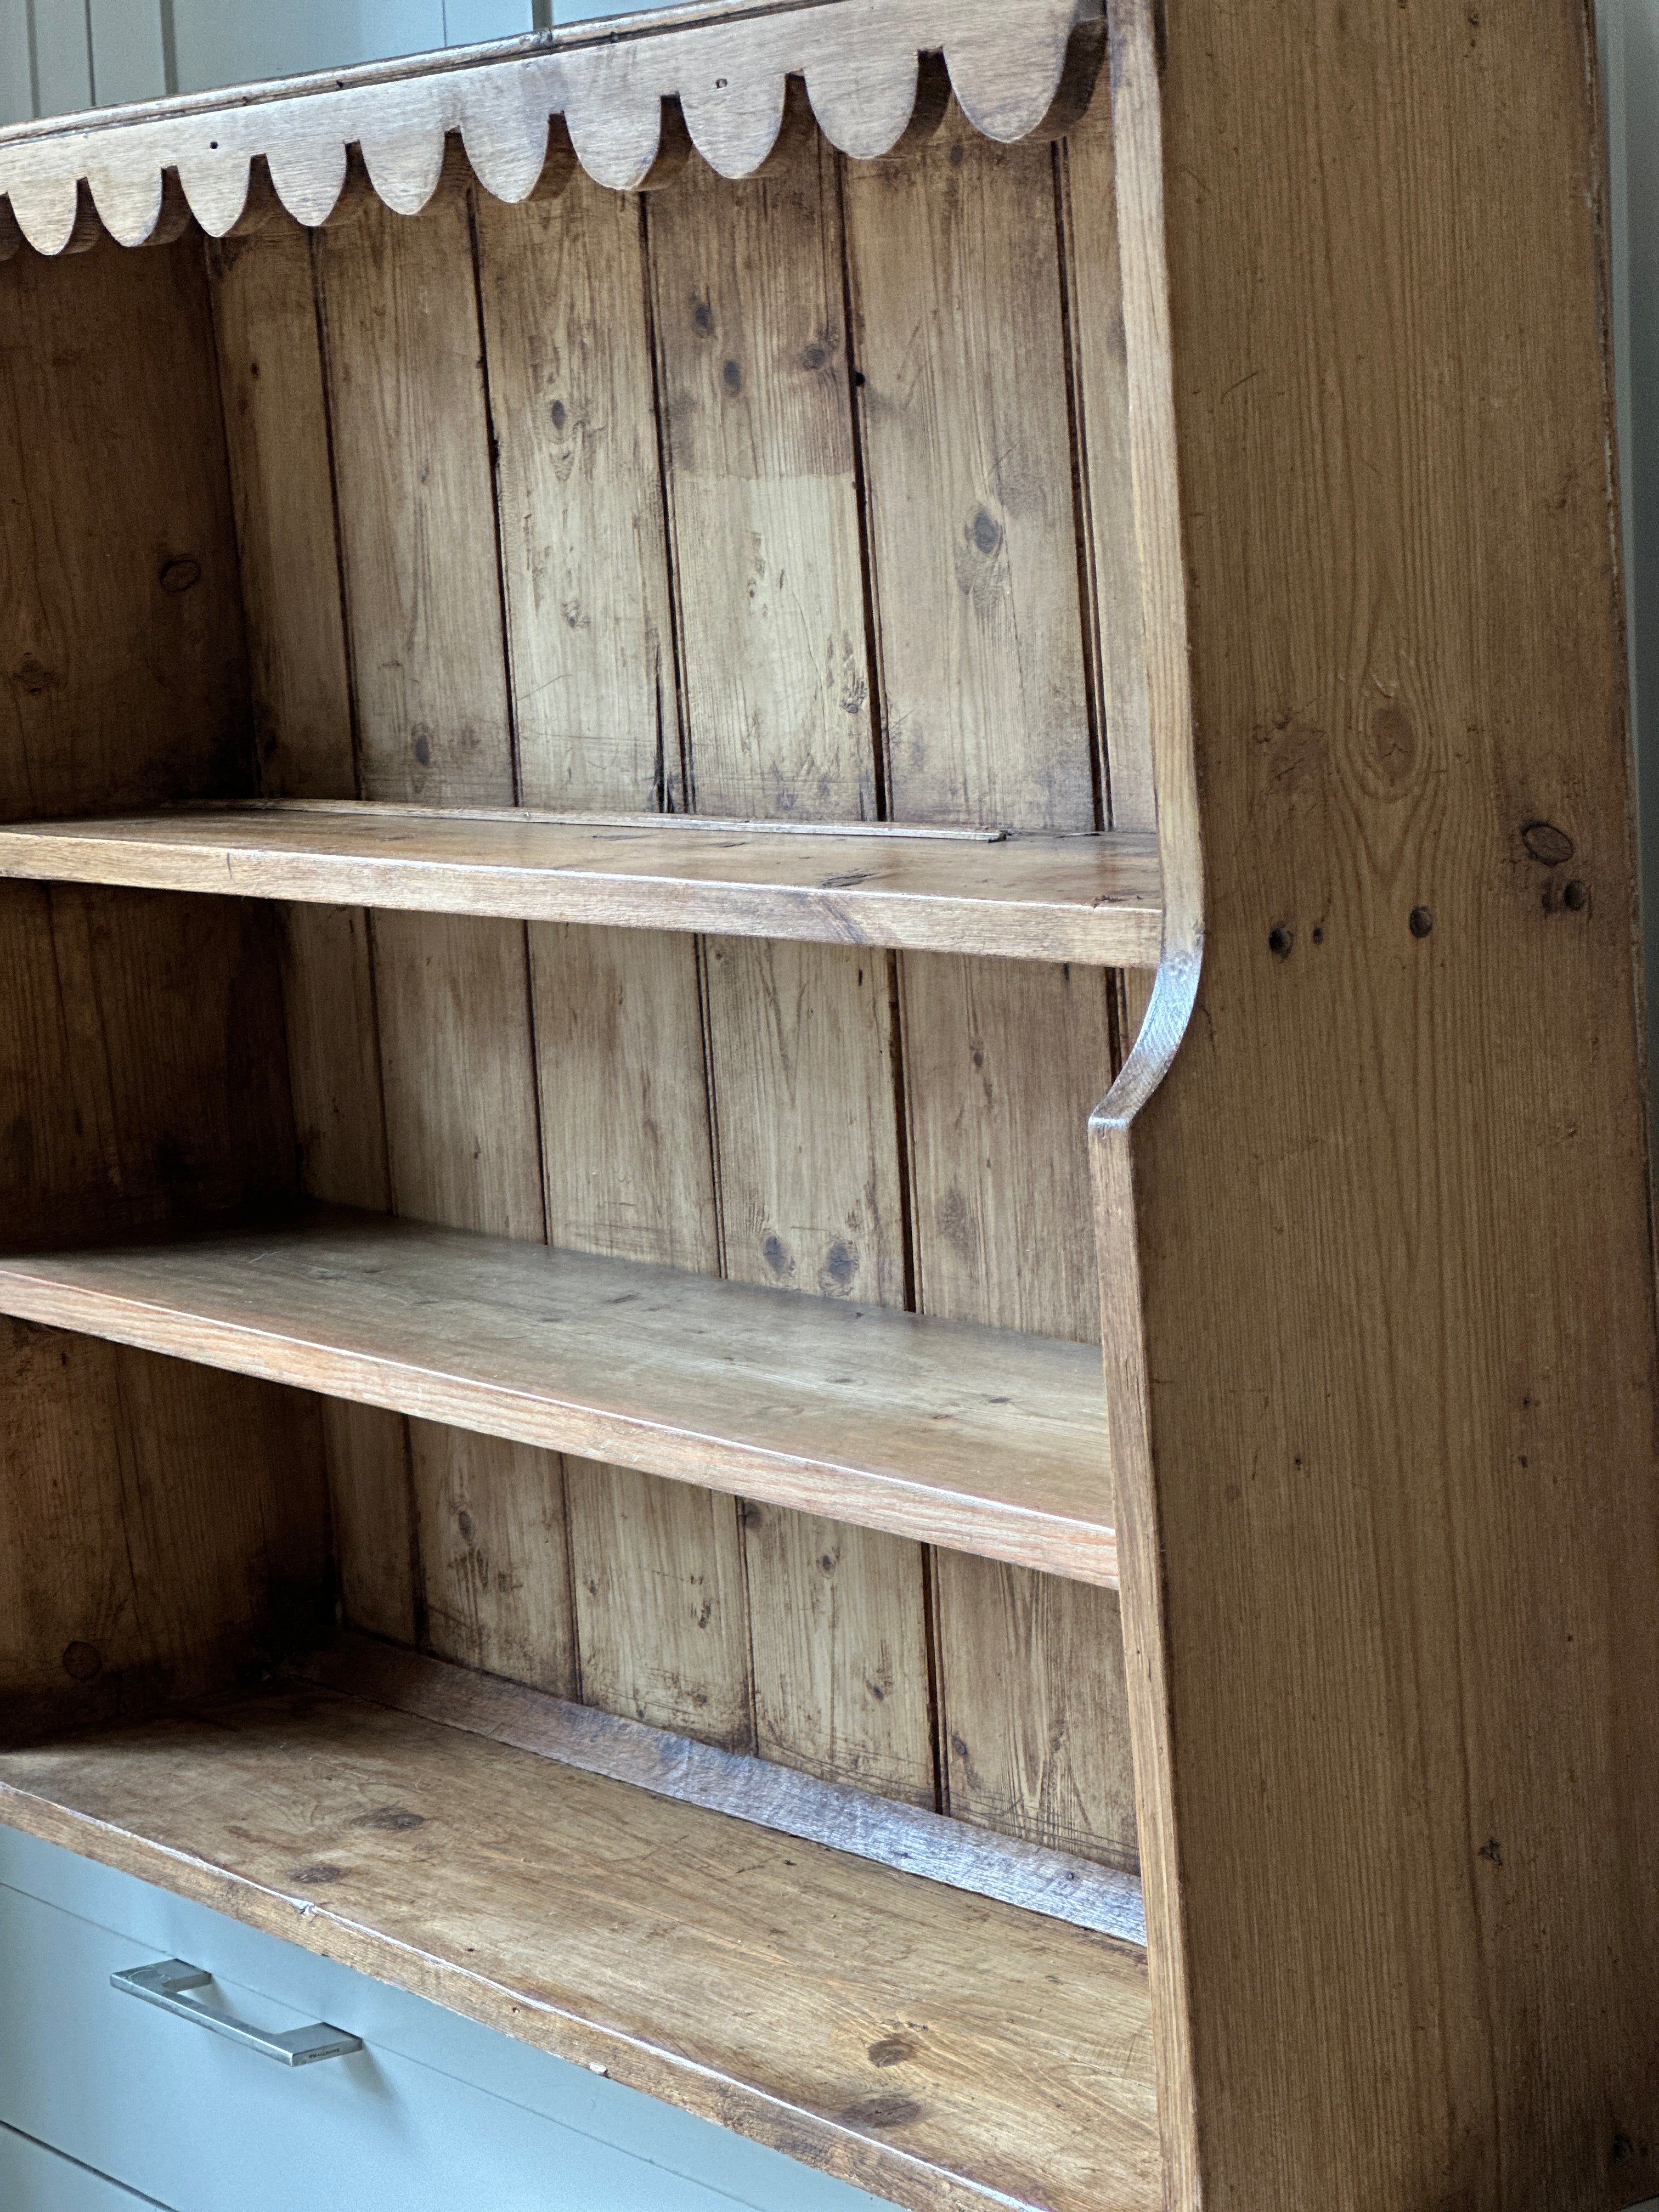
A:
(628, 99)
(980, 1440)
(1090, 899)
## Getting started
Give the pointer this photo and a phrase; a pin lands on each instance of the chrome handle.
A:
(165, 1985)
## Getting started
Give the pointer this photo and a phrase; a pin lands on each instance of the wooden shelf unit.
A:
(1092, 898)
(534, 524)
(534, 854)
(983, 1440)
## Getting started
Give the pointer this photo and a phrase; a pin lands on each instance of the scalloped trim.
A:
(624, 99)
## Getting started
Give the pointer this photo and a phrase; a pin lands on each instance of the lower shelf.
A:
(935, 2048)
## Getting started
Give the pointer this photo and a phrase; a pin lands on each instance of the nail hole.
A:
(1319, 934)
(1280, 941)
(1576, 896)
(1422, 922)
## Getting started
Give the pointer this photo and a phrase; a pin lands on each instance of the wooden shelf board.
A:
(937, 2049)
(1091, 899)
(980, 1440)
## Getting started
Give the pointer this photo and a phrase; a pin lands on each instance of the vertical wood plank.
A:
(496, 1563)
(982, 634)
(277, 430)
(748, 283)
(412, 446)
(662, 1622)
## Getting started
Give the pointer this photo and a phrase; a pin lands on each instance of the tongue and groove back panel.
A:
(142, 1072)
(731, 499)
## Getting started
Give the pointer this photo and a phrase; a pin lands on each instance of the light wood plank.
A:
(749, 292)
(494, 1555)
(277, 436)
(1090, 899)
(986, 1438)
(986, 694)
(662, 1619)
(418, 538)
(940, 2050)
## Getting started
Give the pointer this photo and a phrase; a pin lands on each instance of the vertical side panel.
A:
(424, 615)
(748, 284)
(658, 1582)
(1392, 1199)
(141, 1075)
(277, 427)
(983, 635)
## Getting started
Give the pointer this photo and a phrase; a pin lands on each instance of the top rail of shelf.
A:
(628, 100)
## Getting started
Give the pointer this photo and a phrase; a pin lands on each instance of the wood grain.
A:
(986, 1438)
(277, 432)
(988, 717)
(141, 1049)
(418, 536)
(657, 1570)
(939, 2049)
(626, 97)
(749, 292)
(1090, 899)
(1397, 1531)
(757, 1789)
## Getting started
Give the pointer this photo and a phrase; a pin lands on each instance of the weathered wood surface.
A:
(979, 1437)
(987, 714)
(571, 289)
(279, 435)
(940, 2050)
(1094, 899)
(141, 1057)
(1391, 1527)
(772, 1797)
(720, 72)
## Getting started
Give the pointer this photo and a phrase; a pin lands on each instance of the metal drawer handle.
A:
(165, 1985)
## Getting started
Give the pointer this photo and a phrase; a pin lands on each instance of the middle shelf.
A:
(1095, 899)
(979, 1439)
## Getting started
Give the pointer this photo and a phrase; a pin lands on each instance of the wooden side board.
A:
(315, 145)
(1091, 899)
(1387, 1494)
(989, 1439)
(947, 2052)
